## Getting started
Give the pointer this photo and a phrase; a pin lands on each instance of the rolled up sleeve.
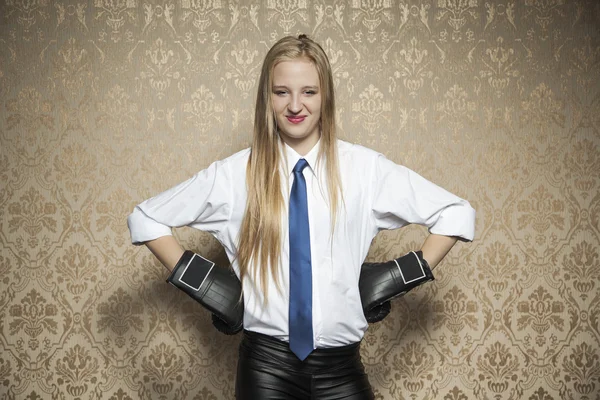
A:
(202, 202)
(401, 197)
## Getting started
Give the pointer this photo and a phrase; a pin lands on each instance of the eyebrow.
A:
(304, 87)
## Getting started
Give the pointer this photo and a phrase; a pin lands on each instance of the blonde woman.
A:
(296, 214)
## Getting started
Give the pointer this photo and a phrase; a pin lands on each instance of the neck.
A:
(301, 146)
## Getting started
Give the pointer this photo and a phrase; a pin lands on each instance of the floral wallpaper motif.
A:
(104, 103)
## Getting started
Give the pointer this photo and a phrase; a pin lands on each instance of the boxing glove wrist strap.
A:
(217, 289)
(413, 270)
(190, 273)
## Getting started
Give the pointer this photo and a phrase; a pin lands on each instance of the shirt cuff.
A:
(143, 228)
(458, 220)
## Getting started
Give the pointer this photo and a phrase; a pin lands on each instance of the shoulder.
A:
(237, 161)
(356, 152)
(225, 169)
(367, 163)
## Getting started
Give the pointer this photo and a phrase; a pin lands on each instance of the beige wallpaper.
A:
(104, 103)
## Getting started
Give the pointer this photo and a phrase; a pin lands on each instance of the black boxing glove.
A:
(217, 289)
(378, 313)
(381, 282)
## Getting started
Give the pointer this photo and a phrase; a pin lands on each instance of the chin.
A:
(297, 133)
(297, 136)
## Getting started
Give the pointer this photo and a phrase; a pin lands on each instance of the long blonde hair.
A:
(260, 238)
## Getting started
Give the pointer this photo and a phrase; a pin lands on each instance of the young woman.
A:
(296, 214)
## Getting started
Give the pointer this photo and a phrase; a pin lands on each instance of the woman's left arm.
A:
(436, 247)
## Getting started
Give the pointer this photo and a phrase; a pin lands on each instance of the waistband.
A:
(266, 347)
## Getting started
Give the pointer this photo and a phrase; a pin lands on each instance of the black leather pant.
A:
(268, 370)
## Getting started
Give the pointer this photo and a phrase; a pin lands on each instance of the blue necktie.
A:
(300, 317)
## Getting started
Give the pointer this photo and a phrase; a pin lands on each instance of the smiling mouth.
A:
(295, 120)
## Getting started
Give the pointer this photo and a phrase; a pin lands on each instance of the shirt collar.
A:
(292, 157)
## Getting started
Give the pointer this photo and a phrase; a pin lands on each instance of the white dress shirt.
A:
(378, 194)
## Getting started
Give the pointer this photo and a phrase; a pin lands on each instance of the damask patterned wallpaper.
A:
(107, 102)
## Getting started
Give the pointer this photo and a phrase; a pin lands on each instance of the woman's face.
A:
(297, 103)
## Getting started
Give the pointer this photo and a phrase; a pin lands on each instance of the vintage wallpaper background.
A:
(107, 102)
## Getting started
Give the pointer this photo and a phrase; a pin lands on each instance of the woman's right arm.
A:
(202, 202)
(166, 249)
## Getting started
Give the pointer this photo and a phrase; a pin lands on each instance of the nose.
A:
(295, 105)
